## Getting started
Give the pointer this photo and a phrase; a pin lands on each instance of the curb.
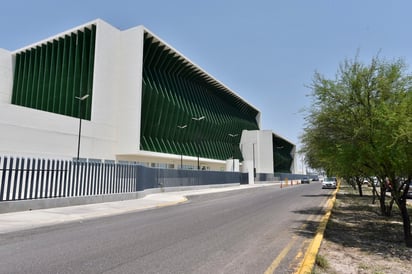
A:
(310, 256)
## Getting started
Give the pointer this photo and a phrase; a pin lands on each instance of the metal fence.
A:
(23, 179)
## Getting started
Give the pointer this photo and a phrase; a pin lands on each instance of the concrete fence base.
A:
(27, 205)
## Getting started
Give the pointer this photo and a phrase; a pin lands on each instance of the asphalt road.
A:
(247, 231)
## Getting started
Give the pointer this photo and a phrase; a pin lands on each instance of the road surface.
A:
(246, 231)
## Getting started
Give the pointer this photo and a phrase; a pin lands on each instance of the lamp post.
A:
(254, 165)
(181, 151)
(81, 99)
(233, 150)
(198, 119)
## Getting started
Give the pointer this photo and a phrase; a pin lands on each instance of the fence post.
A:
(10, 179)
(3, 178)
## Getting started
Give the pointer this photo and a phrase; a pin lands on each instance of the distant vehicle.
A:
(329, 182)
(305, 180)
(409, 194)
(372, 181)
(375, 181)
(315, 179)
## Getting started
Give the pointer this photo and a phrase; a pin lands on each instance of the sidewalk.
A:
(17, 221)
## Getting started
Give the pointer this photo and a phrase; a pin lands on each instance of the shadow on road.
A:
(316, 195)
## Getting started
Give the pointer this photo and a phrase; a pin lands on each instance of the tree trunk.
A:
(406, 223)
(360, 188)
(389, 208)
(374, 194)
(402, 204)
(382, 201)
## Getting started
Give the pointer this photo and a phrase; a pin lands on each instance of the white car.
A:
(409, 194)
(329, 182)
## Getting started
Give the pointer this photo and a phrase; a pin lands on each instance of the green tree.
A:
(359, 125)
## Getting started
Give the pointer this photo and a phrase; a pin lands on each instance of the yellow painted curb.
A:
(183, 200)
(310, 256)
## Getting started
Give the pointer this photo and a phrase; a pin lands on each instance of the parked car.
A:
(329, 182)
(409, 194)
(375, 181)
(305, 180)
(371, 181)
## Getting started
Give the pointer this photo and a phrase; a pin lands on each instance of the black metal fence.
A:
(23, 179)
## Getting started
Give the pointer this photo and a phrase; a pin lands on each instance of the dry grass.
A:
(359, 240)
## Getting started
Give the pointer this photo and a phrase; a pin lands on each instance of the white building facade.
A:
(140, 101)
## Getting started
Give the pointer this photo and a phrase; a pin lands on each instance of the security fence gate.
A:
(24, 179)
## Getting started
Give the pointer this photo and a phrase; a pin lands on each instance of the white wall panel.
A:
(6, 76)
(130, 86)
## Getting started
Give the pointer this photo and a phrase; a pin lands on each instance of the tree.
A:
(359, 125)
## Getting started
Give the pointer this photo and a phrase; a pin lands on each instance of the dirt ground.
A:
(359, 240)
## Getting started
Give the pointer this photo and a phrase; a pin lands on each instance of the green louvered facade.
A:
(174, 91)
(282, 155)
(50, 76)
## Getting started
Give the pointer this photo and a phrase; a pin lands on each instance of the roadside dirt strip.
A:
(310, 256)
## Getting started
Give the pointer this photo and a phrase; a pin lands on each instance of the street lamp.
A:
(254, 165)
(198, 118)
(198, 145)
(81, 99)
(181, 151)
(233, 150)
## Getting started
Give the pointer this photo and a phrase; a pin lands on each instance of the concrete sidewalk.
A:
(23, 220)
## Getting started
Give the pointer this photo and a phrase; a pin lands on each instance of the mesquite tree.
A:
(360, 125)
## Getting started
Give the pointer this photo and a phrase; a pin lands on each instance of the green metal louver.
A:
(282, 157)
(49, 76)
(175, 91)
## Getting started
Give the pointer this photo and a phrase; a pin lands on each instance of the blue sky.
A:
(265, 50)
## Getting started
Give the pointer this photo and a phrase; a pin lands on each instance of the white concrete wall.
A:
(247, 167)
(101, 130)
(26, 131)
(163, 158)
(232, 165)
(248, 146)
(293, 165)
(265, 151)
(6, 76)
(114, 129)
(129, 91)
(29, 132)
(257, 147)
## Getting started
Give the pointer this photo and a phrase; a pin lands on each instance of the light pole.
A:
(198, 145)
(233, 150)
(181, 150)
(254, 166)
(81, 99)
